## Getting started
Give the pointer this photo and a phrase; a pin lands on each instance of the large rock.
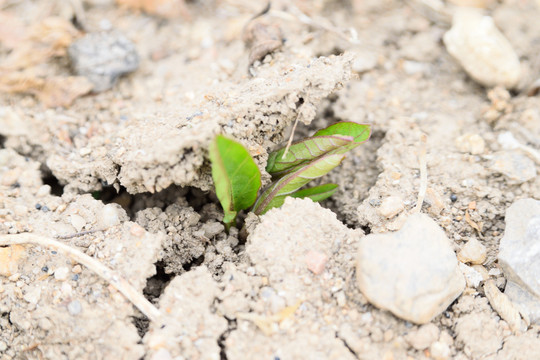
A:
(519, 253)
(413, 272)
(482, 50)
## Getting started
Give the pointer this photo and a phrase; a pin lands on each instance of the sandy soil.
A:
(123, 176)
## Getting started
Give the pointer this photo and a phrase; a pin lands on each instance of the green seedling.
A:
(237, 178)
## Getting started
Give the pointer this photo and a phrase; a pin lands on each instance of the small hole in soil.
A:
(157, 283)
(108, 195)
(366, 229)
(141, 324)
(155, 286)
(49, 179)
(2, 141)
(194, 263)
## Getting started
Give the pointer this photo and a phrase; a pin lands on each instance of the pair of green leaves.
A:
(238, 180)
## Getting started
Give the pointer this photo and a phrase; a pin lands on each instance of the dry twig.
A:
(112, 277)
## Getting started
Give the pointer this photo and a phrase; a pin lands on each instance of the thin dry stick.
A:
(423, 174)
(290, 139)
(101, 270)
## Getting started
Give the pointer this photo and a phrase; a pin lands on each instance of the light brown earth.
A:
(129, 167)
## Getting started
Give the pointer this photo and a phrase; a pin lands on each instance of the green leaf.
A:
(336, 139)
(316, 193)
(236, 177)
(275, 195)
(360, 132)
(302, 152)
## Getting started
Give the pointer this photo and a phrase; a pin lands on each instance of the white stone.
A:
(440, 351)
(84, 151)
(33, 294)
(413, 272)
(517, 167)
(77, 221)
(519, 253)
(364, 61)
(390, 207)
(110, 215)
(43, 190)
(471, 143)
(473, 252)
(61, 273)
(472, 277)
(482, 50)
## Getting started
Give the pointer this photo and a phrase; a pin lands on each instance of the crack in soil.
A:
(347, 345)
(232, 325)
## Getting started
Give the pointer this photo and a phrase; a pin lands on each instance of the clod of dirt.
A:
(48, 297)
(480, 335)
(103, 57)
(189, 239)
(422, 338)
(289, 311)
(262, 37)
(485, 54)
(526, 346)
(191, 329)
(518, 254)
(413, 272)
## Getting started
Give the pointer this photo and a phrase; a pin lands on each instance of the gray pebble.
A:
(103, 57)
(518, 256)
(74, 307)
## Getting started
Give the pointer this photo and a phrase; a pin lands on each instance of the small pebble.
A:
(74, 307)
(110, 216)
(77, 269)
(61, 273)
(77, 222)
(103, 57)
(137, 230)
(84, 151)
(162, 354)
(316, 261)
(32, 294)
(38, 206)
(453, 197)
(45, 208)
(440, 351)
(75, 277)
(473, 252)
(44, 190)
(471, 143)
(472, 277)
(390, 207)
(3, 346)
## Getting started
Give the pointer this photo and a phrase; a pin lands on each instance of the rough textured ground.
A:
(129, 165)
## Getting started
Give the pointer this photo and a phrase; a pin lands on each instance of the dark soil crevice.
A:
(156, 284)
(48, 178)
(194, 263)
(154, 288)
(347, 345)
(232, 325)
